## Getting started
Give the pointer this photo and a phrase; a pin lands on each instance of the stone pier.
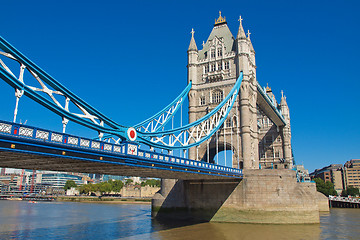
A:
(263, 196)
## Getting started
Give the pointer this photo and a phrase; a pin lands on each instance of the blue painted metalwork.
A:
(37, 137)
(113, 128)
(164, 114)
(148, 138)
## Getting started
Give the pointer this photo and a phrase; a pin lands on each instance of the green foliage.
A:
(326, 188)
(128, 181)
(151, 183)
(69, 184)
(352, 191)
(103, 187)
(116, 185)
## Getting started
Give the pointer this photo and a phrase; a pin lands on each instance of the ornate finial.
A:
(203, 43)
(282, 93)
(248, 34)
(220, 19)
(192, 32)
(240, 19)
(268, 89)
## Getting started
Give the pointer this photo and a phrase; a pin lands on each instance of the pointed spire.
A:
(192, 45)
(283, 99)
(250, 44)
(241, 32)
(248, 34)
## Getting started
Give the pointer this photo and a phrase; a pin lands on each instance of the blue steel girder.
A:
(88, 116)
(148, 131)
(159, 120)
(195, 133)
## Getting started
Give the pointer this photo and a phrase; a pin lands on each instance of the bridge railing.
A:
(344, 199)
(20, 131)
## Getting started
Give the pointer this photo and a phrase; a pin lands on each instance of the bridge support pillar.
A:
(263, 196)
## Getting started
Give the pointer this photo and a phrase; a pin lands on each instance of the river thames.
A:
(64, 220)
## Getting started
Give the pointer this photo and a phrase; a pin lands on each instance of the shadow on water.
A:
(214, 231)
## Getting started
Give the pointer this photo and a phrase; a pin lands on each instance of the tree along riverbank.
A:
(110, 200)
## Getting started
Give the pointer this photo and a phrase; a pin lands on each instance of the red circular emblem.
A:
(131, 132)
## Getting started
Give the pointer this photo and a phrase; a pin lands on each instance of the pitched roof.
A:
(221, 32)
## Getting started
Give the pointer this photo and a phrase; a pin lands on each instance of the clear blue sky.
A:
(129, 60)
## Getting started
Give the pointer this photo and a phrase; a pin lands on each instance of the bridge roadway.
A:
(27, 147)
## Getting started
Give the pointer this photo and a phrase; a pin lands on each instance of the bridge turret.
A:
(193, 55)
(252, 53)
(245, 59)
(242, 50)
(286, 132)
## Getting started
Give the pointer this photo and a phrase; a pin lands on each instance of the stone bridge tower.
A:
(213, 71)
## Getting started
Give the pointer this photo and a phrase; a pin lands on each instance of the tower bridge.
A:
(228, 110)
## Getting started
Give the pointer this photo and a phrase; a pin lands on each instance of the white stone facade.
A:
(213, 71)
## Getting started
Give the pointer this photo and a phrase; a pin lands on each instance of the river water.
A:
(62, 220)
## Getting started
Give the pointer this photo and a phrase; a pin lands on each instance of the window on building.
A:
(219, 66)
(226, 65)
(277, 154)
(202, 100)
(206, 68)
(205, 53)
(217, 96)
(213, 67)
(213, 53)
(219, 52)
(228, 123)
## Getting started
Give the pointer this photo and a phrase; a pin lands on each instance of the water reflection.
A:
(22, 220)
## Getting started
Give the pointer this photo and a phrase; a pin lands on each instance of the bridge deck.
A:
(39, 153)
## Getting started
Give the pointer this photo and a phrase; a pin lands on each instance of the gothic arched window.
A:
(217, 96)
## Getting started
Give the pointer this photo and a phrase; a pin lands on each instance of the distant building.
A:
(58, 180)
(351, 173)
(340, 175)
(331, 173)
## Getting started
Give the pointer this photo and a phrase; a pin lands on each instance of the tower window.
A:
(212, 53)
(228, 123)
(202, 100)
(213, 67)
(219, 52)
(217, 96)
(219, 66)
(206, 68)
(226, 65)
